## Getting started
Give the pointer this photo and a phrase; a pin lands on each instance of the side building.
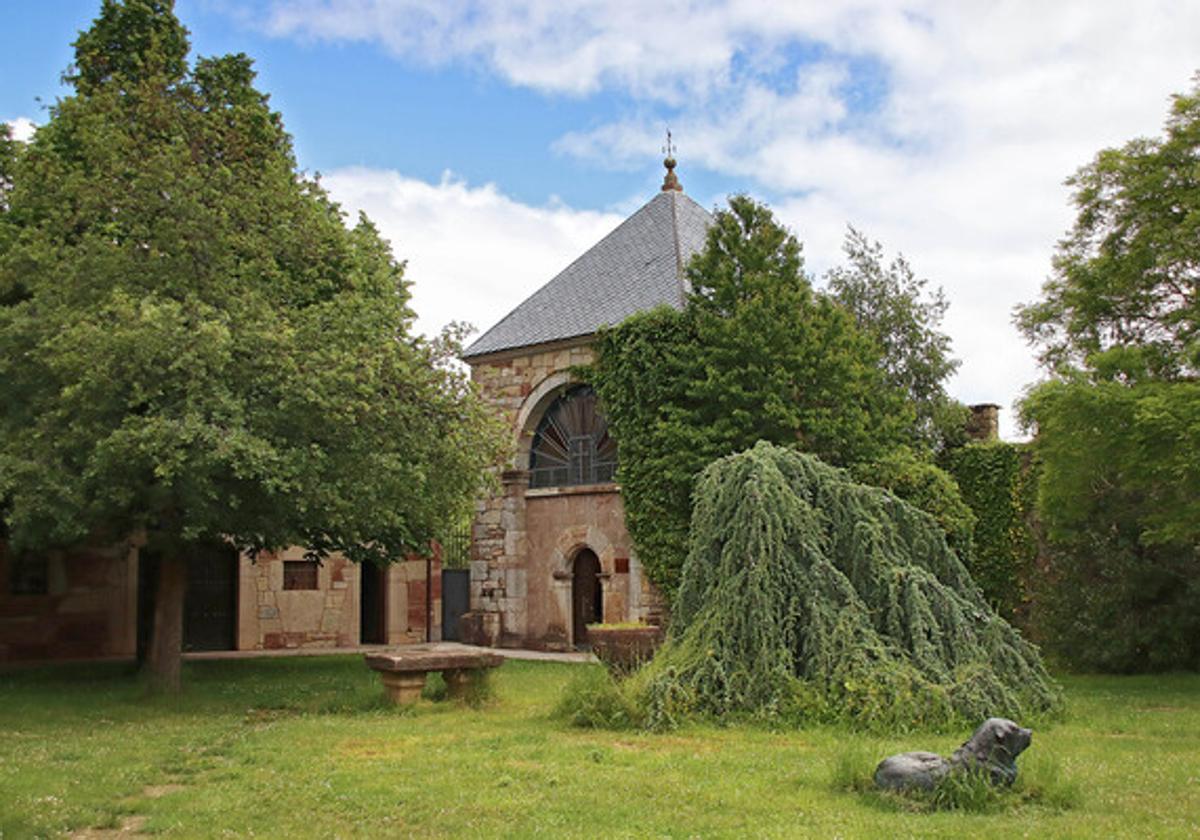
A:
(550, 552)
(91, 602)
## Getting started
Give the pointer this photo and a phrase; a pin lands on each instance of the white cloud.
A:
(985, 109)
(22, 128)
(472, 252)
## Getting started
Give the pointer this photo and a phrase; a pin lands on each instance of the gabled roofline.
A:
(637, 265)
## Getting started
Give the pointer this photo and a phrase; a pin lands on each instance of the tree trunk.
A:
(166, 636)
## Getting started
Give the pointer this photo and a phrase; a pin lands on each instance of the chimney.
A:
(984, 423)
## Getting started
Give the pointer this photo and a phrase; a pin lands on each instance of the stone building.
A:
(97, 602)
(550, 551)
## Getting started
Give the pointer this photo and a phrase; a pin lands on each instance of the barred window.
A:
(571, 445)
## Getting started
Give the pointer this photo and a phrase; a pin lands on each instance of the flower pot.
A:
(624, 648)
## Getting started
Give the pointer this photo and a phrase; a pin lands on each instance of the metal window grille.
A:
(456, 548)
(571, 445)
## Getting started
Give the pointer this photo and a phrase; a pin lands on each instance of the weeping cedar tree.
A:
(810, 597)
(1118, 423)
(756, 354)
(194, 348)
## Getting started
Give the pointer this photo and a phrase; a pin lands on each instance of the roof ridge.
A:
(678, 251)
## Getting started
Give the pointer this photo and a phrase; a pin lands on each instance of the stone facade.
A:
(524, 541)
(88, 605)
(271, 617)
(88, 608)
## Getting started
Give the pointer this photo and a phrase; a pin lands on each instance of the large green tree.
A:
(891, 304)
(1119, 498)
(1124, 298)
(756, 354)
(1118, 328)
(194, 348)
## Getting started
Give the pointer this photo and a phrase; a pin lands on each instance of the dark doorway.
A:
(373, 621)
(209, 602)
(456, 600)
(210, 605)
(587, 599)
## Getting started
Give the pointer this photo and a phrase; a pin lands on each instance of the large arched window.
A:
(571, 445)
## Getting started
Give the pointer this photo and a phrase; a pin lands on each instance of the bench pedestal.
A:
(402, 688)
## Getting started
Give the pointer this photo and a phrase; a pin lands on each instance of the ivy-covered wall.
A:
(997, 482)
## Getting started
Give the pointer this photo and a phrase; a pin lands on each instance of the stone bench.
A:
(404, 671)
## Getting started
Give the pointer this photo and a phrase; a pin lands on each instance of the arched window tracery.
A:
(571, 445)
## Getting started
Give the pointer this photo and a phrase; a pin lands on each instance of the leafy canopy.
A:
(1118, 425)
(756, 354)
(1124, 299)
(193, 346)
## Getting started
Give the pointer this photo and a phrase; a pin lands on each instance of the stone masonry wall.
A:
(89, 608)
(406, 600)
(271, 617)
(504, 575)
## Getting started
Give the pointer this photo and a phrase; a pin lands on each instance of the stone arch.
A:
(532, 409)
(570, 543)
(573, 540)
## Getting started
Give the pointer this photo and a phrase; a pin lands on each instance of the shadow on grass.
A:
(309, 685)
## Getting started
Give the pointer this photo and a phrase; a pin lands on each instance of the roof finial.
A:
(670, 182)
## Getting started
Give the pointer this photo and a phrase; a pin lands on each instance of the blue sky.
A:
(356, 104)
(493, 142)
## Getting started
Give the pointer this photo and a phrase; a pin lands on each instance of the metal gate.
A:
(210, 605)
(456, 600)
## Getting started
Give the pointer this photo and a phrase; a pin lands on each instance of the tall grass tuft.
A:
(594, 699)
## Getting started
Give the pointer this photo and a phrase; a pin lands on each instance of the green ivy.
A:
(996, 482)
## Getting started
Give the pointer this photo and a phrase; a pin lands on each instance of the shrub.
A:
(594, 699)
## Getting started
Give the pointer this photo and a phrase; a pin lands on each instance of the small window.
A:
(299, 574)
(28, 575)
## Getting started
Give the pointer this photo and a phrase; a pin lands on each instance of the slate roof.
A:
(636, 267)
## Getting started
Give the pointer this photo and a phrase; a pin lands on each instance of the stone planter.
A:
(624, 648)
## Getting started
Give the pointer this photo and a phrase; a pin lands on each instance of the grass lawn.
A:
(304, 747)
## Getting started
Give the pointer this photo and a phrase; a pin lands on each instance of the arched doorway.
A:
(587, 598)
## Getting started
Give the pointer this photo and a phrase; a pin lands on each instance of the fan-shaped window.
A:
(571, 444)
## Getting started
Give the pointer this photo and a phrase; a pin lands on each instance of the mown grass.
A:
(306, 748)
